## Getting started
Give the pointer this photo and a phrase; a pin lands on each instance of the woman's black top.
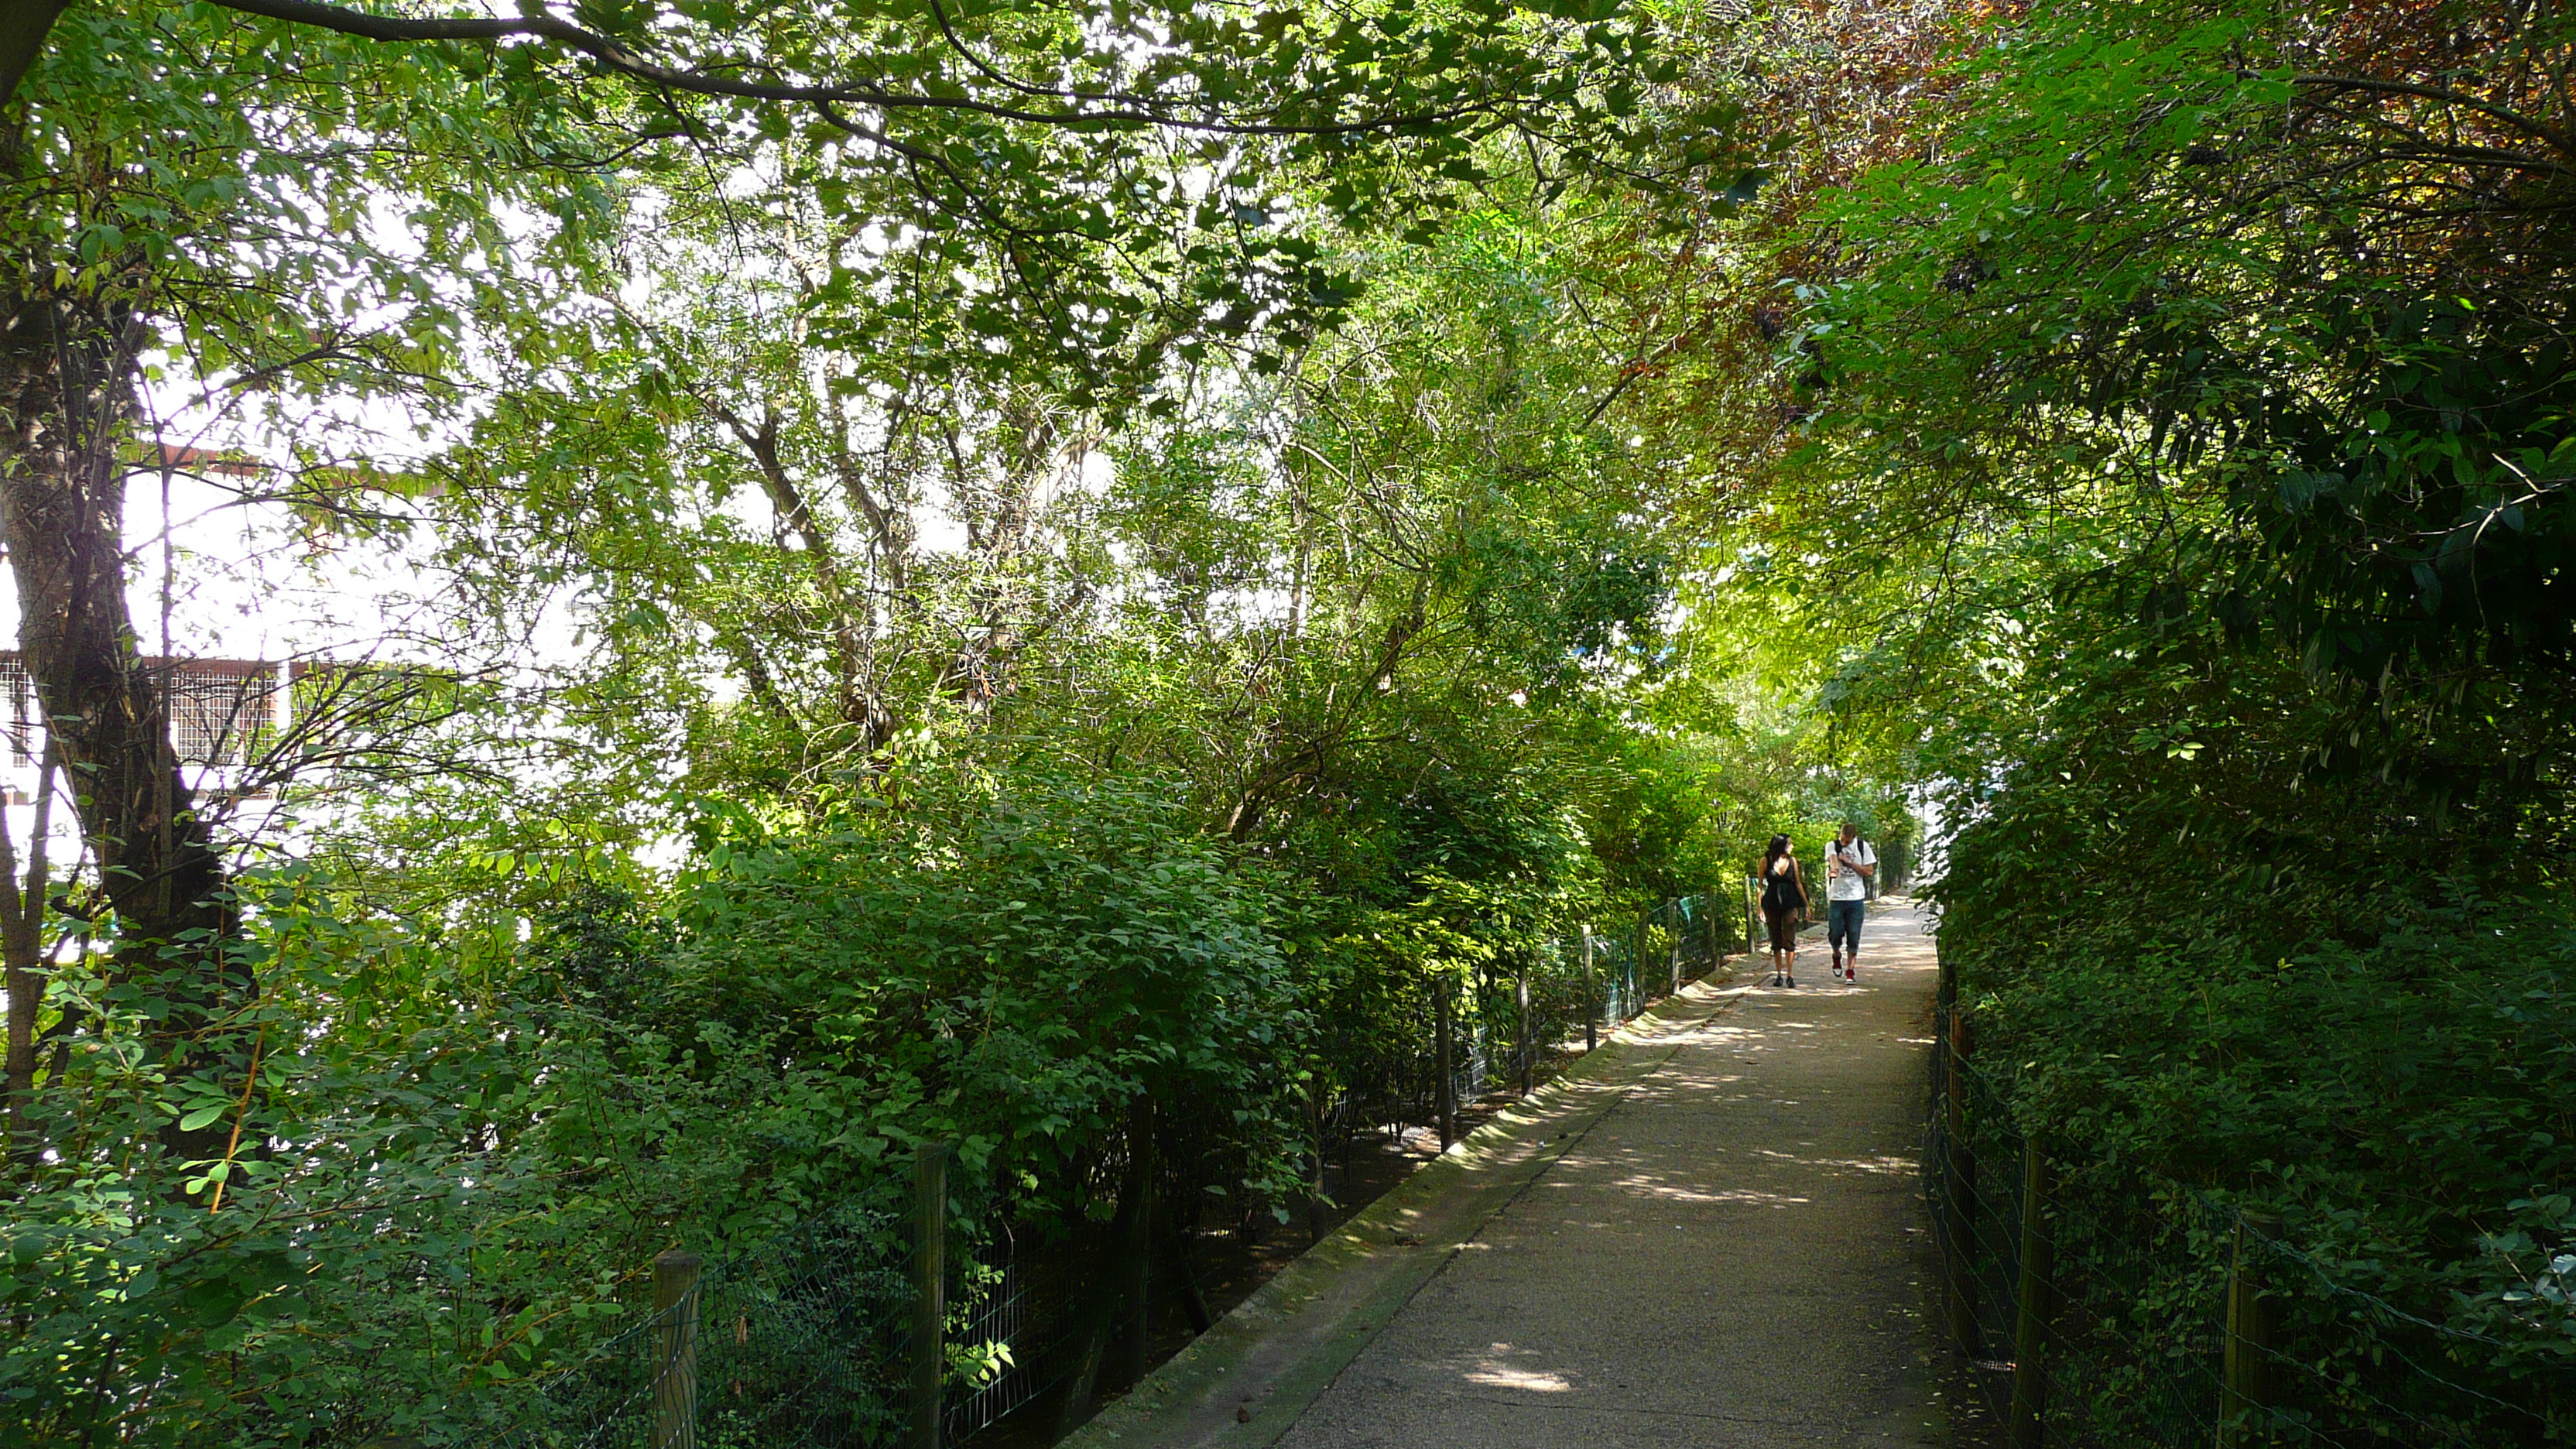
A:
(1781, 890)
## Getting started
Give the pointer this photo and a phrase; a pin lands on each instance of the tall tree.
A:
(211, 184)
(186, 203)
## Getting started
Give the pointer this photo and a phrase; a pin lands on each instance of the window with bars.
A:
(222, 711)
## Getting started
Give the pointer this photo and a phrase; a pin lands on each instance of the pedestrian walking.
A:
(1849, 867)
(1784, 908)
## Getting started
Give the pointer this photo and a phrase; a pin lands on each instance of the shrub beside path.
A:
(1709, 1233)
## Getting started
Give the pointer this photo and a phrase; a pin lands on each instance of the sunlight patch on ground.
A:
(1883, 1164)
(1495, 1373)
(1650, 1187)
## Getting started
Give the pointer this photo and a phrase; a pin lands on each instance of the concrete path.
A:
(1711, 1235)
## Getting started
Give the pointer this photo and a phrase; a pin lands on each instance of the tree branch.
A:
(2558, 139)
(611, 55)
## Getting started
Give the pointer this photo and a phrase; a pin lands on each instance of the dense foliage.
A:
(2208, 982)
(973, 572)
(903, 574)
(2188, 385)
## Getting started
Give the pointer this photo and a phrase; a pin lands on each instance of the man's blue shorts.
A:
(1842, 921)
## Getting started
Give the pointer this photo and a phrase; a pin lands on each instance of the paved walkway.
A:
(1710, 1235)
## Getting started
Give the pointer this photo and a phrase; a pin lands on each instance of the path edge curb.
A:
(1182, 1404)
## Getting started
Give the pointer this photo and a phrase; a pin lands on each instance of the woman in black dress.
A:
(1784, 908)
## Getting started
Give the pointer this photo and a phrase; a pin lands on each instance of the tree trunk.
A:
(1113, 1321)
(67, 372)
(23, 27)
(1445, 1090)
(22, 945)
(1134, 1273)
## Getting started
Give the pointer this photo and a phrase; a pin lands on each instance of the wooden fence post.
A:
(1716, 952)
(1637, 953)
(1591, 997)
(2037, 1303)
(1960, 1209)
(675, 1350)
(2245, 1388)
(1521, 989)
(1315, 1113)
(1673, 915)
(1441, 1047)
(928, 1350)
(1636, 966)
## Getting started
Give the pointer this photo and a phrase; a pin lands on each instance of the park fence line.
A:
(865, 1330)
(2192, 1320)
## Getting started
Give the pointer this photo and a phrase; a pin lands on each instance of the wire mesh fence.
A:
(1523, 1015)
(2099, 1305)
(800, 1343)
(821, 1338)
(1009, 1341)
(1606, 978)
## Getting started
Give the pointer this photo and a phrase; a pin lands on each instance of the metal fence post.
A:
(2037, 1303)
(2245, 1389)
(1591, 997)
(675, 1350)
(928, 1350)
(1715, 953)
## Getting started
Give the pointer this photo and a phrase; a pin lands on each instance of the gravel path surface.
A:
(1731, 1256)
(1714, 1238)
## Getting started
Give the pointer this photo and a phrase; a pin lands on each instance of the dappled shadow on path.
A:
(1728, 1256)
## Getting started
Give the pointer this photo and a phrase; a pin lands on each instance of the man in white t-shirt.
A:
(1849, 866)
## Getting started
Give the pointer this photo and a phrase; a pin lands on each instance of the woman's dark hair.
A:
(1771, 857)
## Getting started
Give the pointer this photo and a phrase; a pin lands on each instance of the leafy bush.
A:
(463, 1149)
(2211, 976)
(1005, 970)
